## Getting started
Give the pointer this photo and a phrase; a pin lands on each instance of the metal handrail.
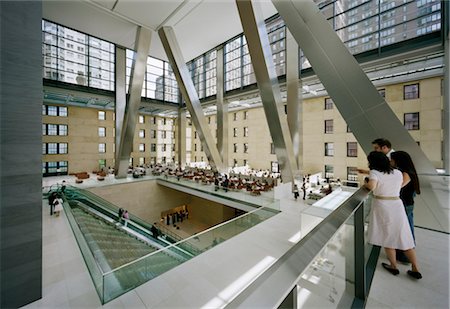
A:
(272, 286)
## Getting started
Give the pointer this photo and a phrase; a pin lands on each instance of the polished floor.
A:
(194, 284)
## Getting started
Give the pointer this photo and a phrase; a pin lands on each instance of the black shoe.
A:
(414, 274)
(393, 271)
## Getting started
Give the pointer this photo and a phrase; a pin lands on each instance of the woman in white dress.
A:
(389, 226)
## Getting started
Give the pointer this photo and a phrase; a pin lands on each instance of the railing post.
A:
(360, 268)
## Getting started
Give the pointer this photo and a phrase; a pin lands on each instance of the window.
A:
(234, 116)
(352, 174)
(101, 132)
(101, 163)
(235, 163)
(411, 121)
(164, 147)
(49, 110)
(141, 147)
(102, 148)
(245, 116)
(54, 148)
(154, 120)
(141, 161)
(195, 147)
(329, 171)
(62, 129)
(234, 148)
(141, 133)
(329, 149)
(54, 168)
(234, 132)
(245, 131)
(101, 115)
(272, 148)
(328, 103)
(352, 149)
(245, 147)
(153, 133)
(62, 111)
(195, 134)
(411, 92)
(329, 126)
(141, 119)
(153, 147)
(209, 120)
(274, 167)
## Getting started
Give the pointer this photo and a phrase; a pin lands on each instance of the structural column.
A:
(266, 77)
(121, 97)
(190, 95)
(143, 38)
(21, 201)
(181, 136)
(222, 111)
(446, 110)
(294, 98)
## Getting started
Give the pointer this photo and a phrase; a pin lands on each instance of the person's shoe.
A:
(414, 274)
(388, 267)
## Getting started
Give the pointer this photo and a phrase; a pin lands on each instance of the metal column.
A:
(222, 111)
(266, 77)
(121, 98)
(294, 98)
(446, 110)
(143, 38)
(181, 137)
(362, 107)
(190, 95)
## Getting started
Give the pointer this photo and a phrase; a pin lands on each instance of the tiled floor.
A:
(67, 284)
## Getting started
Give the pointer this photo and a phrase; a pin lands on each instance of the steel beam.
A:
(142, 46)
(362, 107)
(181, 138)
(190, 95)
(261, 55)
(294, 98)
(121, 99)
(446, 109)
(222, 111)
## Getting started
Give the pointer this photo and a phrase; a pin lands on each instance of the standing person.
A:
(216, 183)
(411, 186)
(57, 204)
(120, 214)
(63, 186)
(389, 227)
(125, 217)
(51, 200)
(226, 182)
(304, 190)
(383, 145)
(296, 194)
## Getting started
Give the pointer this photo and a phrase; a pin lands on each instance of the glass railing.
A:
(114, 283)
(431, 207)
(330, 267)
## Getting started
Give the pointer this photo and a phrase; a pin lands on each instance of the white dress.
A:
(388, 225)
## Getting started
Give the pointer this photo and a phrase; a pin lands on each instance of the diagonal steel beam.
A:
(189, 93)
(261, 55)
(222, 111)
(358, 101)
(130, 115)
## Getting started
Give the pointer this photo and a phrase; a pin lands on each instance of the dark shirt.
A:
(407, 194)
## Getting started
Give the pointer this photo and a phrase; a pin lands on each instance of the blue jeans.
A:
(409, 213)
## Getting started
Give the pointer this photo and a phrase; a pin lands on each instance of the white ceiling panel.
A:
(109, 4)
(148, 13)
